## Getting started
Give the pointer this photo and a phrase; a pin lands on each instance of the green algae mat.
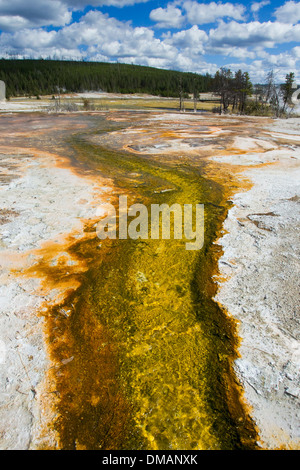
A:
(152, 352)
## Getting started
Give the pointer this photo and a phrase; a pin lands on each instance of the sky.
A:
(187, 35)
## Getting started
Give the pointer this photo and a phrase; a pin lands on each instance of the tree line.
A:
(26, 77)
(44, 77)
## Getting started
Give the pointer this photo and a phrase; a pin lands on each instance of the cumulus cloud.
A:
(170, 17)
(296, 52)
(101, 3)
(265, 34)
(101, 35)
(17, 14)
(231, 51)
(256, 6)
(192, 40)
(288, 13)
(209, 12)
(195, 13)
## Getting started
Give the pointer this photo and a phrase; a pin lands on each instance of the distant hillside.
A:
(44, 77)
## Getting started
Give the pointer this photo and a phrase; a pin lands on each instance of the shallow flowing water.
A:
(147, 354)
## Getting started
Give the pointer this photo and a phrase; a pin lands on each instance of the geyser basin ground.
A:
(130, 344)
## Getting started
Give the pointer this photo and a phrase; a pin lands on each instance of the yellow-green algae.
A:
(151, 351)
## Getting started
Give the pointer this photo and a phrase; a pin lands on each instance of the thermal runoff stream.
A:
(152, 352)
(141, 356)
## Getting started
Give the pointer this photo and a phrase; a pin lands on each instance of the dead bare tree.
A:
(272, 93)
(181, 96)
(195, 96)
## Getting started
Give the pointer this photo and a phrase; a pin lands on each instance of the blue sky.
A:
(187, 35)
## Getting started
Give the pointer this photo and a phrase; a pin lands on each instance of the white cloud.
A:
(170, 17)
(256, 6)
(101, 35)
(80, 4)
(193, 40)
(296, 52)
(13, 23)
(231, 51)
(288, 13)
(17, 14)
(195, 13)
(254, 33)
(209, 12)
